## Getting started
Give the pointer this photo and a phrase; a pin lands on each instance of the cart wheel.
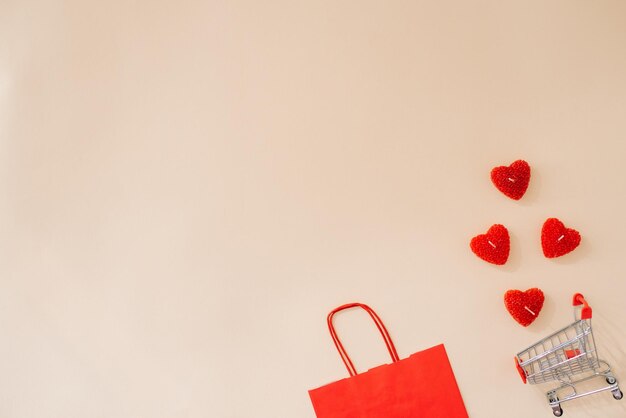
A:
(617, 394)
(557, 411)
(611, 380)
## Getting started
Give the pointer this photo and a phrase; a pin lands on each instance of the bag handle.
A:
(379, 324)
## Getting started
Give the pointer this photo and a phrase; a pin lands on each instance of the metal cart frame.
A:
(569, 357)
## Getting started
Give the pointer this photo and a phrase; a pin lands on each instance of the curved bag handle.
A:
(379, 324)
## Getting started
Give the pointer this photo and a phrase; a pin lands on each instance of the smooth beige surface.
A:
(187, 188)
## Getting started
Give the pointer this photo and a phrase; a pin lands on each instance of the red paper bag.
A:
(422, 385)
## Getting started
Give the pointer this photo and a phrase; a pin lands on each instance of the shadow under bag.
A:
(422, 385)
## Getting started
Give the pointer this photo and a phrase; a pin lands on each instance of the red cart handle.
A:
(520, 370)
(585, 312)
(379, 324)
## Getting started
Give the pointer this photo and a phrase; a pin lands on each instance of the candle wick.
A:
(511, 180)
(492, 244)
(561, 237)
(528, 309)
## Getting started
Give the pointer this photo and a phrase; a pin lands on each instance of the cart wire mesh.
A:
(565, 353)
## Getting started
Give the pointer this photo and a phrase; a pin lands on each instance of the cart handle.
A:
(520, 370)
(585, 312)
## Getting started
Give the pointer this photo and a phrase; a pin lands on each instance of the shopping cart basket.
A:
(569, 357)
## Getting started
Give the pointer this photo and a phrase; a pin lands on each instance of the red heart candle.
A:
(524, 307)
(512, 180)
(494, 246)
(556, 239)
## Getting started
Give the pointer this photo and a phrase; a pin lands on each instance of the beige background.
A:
(187, 188)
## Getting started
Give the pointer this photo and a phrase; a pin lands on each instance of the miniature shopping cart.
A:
(569, 357)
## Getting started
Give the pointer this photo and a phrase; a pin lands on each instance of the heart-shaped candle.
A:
(556, 239)
(512, 180)
(494, 246)
(524, 307)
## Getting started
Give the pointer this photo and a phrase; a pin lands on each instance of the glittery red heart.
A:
(494, 246)
(512, 180)
(556, 239)
(524, 307)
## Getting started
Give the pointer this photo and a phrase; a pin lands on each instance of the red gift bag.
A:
(422, 385)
